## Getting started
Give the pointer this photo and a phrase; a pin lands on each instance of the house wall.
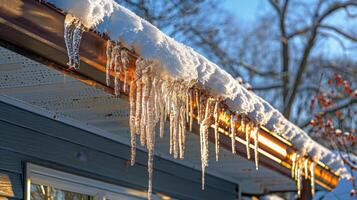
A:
(28, 137)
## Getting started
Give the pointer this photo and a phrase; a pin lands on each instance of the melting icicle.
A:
(73, 30)
(68, 37)
(125, 61)
(171, 132)
(246, 128)
(293, 159)
(312, 179)
(132, 122)
(233, 132)
(77, 37)
(198, 106)
(256, 139)
(162, 111)
(150, 138)
(306, 168)
(175, 110)
(297, 165)
(138, 106)
(299, 178)
(117, 69)
(182, 134)
(191, 108)
(216, 134)
(206, 122)
(109, 61)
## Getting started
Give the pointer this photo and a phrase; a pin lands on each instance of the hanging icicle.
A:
(299, 176)
(306, 168)
(246, 128)
(132, 122)
(109, 61)
(198, 105)
(205, 124)
(293, 159)
(191, 107)
(182, 132)
(233, 132)
(125, 62)
(150, 131)
(73, 30)
(115, 63)
(256, 147)
(162, 110)
(68, 37)
(216, 134)
(312, 178)
(175, 110)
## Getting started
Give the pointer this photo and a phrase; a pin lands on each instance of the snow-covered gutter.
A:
(175, 61)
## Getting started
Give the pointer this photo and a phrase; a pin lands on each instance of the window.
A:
(48, 184)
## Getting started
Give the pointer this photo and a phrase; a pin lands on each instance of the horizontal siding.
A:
(28, 137)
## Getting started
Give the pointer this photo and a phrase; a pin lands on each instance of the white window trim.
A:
(65, 181)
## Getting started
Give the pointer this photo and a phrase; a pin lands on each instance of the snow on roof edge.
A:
(180, 62)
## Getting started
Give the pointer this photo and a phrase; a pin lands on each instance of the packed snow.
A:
(174, 65)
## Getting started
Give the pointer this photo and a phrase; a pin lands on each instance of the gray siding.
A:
(28, 137)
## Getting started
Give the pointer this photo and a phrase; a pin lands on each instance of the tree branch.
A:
(309, 45)
(339, 31)
(333, 109)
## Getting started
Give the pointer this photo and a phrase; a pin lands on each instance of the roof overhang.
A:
(36, 30)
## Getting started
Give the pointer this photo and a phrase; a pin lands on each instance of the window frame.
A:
(100, 190)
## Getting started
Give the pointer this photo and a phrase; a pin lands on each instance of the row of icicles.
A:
(154, 100)
(301, 168)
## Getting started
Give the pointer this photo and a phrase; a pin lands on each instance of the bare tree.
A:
(285, 54)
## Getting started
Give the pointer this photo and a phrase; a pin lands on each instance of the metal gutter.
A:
(36, 29)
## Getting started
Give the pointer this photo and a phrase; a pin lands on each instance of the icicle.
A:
(297, 165)
(191, 108)
(198, 102)
(68, 37)
(150, 131)
(144, 71)
(109, 61)
(175, 110)
(312, 179)
(150, 171)
(206, 122)
(182, 132)
(246, 128)
(293, 159)
(125, 61)
(73, 30)
(150, 118)
(138, 105)
(306, 169)
(233, 133)
(162, 112)
(299, 178)
(117, 71)
(187, 107)
(216, 134)
(171, 132)
(157, 97)
(77, 36)
(132, 122)
(256, 139)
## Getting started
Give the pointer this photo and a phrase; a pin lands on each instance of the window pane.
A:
(41, 192)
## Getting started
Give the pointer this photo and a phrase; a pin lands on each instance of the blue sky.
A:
(246, 10)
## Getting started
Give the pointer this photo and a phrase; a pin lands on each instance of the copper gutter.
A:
(38, 28)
